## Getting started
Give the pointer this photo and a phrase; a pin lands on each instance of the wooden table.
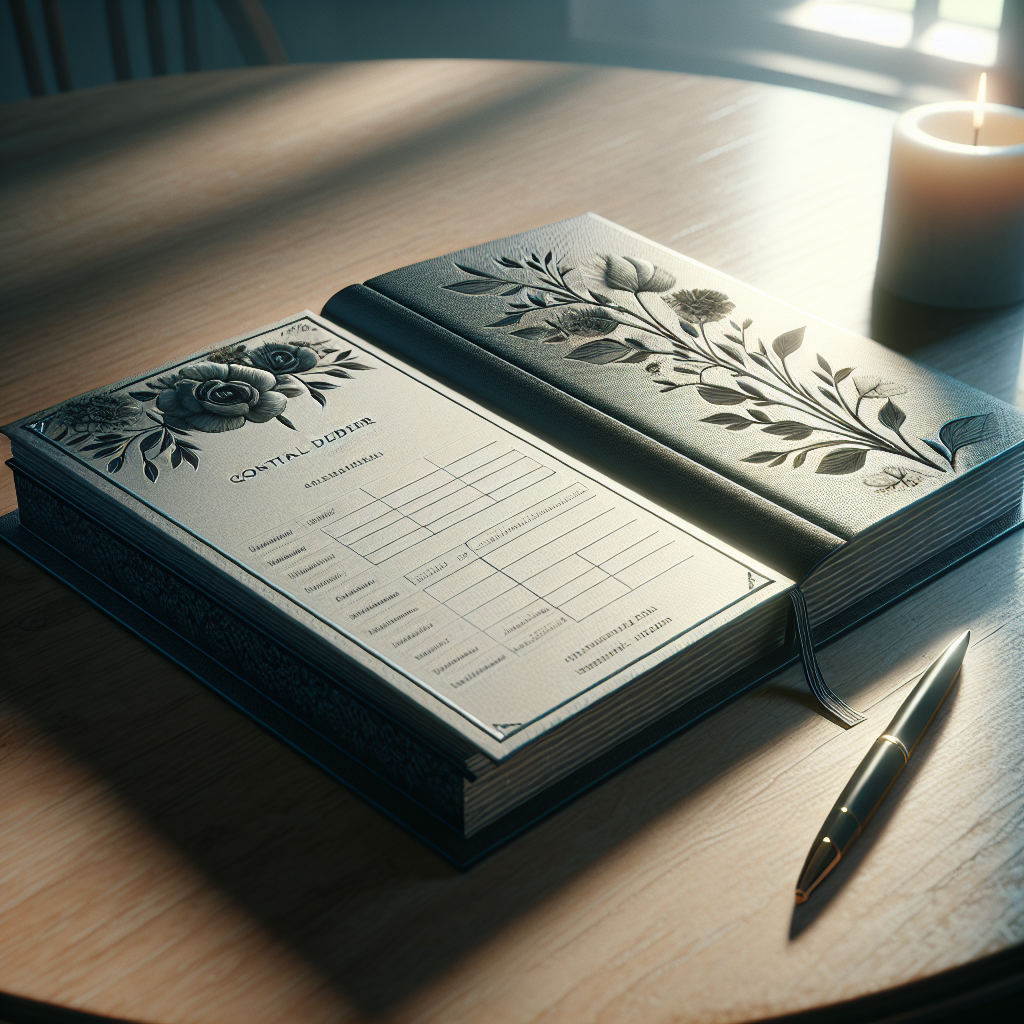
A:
(165, 860)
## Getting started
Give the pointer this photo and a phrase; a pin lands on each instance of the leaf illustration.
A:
(190, 457)
(939, 449)
(841, 375)
(875, 387)
(761, 417)
(715, 394)
(143, 396)
(730, 350)
(281, 419)
(799, 460)
(735, 326)
(766, 457)
(891, 415)
(149, 441)
(751, 390)
(828, 394)
(167, 441)
(957, 434)
(842, 461)
(175, 458)
(747, 323)
(734, 337)
(789, 429)
(823, 377)
(600, 298)
(786, 344)
(337, 373)
(729, 420)
(823, 363)
(477, 286)
(604, 350)
(114, 465)
(689, 329)
(479, 273)
(507, 261)
(507, 321)
(761, 360)
(151, 471)
(538, 333)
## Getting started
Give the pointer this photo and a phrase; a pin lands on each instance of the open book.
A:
(472, 616)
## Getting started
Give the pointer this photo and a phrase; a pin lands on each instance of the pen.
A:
(877, 772)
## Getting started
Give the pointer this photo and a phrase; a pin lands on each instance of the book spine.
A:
(730, 511)
(358, 728)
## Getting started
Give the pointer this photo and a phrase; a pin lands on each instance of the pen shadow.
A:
(805, 914)
(366, 906)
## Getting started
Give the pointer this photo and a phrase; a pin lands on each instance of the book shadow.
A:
(937, 338)
(369, 908)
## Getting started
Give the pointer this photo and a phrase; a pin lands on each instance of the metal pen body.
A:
(880, 768)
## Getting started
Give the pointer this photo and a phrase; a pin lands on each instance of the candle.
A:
(953, 225)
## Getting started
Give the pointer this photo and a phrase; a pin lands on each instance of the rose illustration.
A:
(280, 358)
(214, 397)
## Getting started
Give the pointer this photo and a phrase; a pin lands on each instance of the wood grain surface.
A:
(165, 860)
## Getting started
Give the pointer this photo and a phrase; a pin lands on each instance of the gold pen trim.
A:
(801, 894)
(898, 743)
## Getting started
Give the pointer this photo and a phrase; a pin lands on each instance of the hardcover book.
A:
(511, 516)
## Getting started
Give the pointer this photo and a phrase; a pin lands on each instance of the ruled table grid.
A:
(426, 498)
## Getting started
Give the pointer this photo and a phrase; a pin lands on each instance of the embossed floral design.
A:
(231, 387)
(836, 414)
(280, 358)
(214, 397)
(99, 412)
(701, 305)
(630, 274)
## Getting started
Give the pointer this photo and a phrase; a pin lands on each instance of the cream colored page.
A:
(485, 569)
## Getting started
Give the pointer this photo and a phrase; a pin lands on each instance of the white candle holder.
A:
(953, 225)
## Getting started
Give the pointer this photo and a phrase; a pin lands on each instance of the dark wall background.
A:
(707, 36)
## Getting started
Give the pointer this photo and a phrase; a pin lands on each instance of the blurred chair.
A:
(252, 30)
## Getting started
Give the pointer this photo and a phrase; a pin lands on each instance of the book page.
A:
(490, 572)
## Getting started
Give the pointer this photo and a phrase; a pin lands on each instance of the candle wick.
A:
(976, 130)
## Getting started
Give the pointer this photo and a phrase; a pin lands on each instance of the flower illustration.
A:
(838, 423)
(99, 413)
(630, 274)
(214, 397)
(701, 305)
(584, 323)
(281, 358)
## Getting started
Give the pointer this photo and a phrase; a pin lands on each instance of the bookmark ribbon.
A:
(830, 701)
